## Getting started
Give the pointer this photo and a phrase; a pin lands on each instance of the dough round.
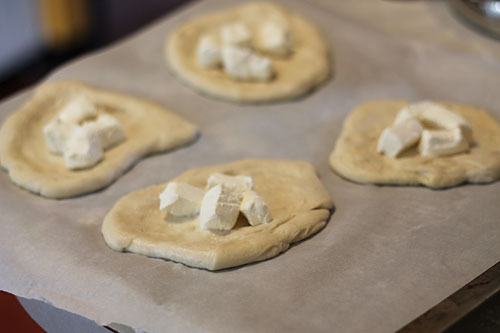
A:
(304, 69)
(355, 157)
(24, 152)
(298, 202)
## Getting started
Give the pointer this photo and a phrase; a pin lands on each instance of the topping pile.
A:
(441, 132)
(237, 50)
(219, 206)
(81, 135)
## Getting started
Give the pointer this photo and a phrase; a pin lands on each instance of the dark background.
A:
(107, 22)
(104, 22)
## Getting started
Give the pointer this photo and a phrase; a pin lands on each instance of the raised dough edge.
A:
(438, 173)
(23, 176)
(242, 92)
(227, 254)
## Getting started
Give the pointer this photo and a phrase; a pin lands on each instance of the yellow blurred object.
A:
(64, 22)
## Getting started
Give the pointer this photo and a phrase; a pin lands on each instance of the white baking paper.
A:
(387, 255)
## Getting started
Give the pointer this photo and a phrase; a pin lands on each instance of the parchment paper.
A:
(387, 255)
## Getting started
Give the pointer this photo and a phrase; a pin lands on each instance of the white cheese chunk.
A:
(238, 184)
(80, 134)
(409, 111)
(442, 142)
(109, 129)
(242, 64)
(255, 208)
(56, 134)
(78, 110)
(58, 130)
(83, 148)
(261, 68)
(219, 209)
(208, 52)
(181, 200)
(436, 116)
(273, 38)
(399, 137)
(236, 34)
(446, 132)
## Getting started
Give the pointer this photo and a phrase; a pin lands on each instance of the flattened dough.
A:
(24, 152)
(298, 202)
(355, 157)
(307, 67)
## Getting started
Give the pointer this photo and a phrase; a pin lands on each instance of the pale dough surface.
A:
(355, 157)
(24, 152)
(307, 67)
(298, 202)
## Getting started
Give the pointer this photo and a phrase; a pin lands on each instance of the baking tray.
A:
(387, 255)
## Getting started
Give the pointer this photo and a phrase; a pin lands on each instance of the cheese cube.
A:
(273, 39)
(236, 34)
(409, 111)
(78, 110)
(56, 134)
(109, 129)
(399, 137)
(83, 148)
(442, 142)
(255, 208)
(436, 116)
(261, 68)
(58, 130)
(235, 62)
(181, 200)
(238, 184)
(242, 64)
(219, 209)
(208, 52)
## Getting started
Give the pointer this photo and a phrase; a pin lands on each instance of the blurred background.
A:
(36, 36)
